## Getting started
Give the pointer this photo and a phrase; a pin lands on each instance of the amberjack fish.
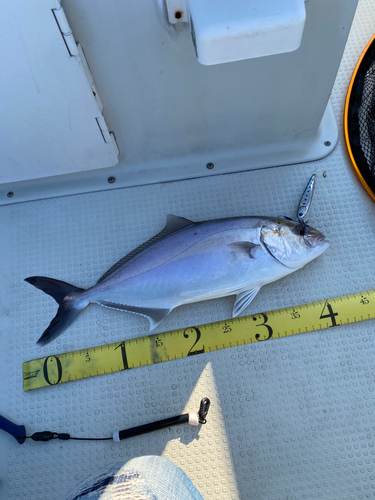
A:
(191, 262)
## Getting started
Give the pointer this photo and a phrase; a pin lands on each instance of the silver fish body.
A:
(191, 262)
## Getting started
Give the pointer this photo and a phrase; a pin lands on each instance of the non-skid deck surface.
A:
(290, 419)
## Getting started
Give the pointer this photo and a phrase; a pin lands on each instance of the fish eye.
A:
(300, 230)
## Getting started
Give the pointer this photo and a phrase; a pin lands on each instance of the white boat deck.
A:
(290, 419)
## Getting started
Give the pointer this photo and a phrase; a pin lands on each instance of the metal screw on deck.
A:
(210, 166)
(10, 194)
(111, 180)
(327, 143)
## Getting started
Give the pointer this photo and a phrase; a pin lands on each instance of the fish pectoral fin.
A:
(243, 299)
(245, 248)
(153, 314)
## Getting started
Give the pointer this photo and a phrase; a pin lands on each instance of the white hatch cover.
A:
(51, 122)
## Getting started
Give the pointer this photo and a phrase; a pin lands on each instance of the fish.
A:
(190, 262)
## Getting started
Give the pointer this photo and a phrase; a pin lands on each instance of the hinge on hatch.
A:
(109, 137)
(65, 30)
(104, 129)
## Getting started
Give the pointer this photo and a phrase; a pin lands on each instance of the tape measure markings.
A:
(185, 342)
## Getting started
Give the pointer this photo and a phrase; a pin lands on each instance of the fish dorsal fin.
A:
(153, 314)
(243, 299)
(174, 223)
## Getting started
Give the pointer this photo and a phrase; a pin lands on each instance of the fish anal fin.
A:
(174, 223)
(153, 314)
(245, 248)
(243, 299)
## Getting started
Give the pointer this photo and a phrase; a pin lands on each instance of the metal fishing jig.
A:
(305, 201)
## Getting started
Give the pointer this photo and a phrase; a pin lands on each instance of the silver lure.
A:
(306, 199)
(191, 262)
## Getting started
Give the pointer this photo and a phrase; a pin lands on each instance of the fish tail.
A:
(65, 295)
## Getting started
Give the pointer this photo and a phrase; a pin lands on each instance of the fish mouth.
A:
(314, 239)
(321, 239)
(315, 242)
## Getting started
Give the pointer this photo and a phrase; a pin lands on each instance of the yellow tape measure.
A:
(59, 368)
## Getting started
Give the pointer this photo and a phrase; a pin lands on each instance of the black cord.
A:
(91, 439)
(47, 436)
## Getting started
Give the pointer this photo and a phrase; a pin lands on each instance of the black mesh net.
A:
(361, 118)
(366, 116)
